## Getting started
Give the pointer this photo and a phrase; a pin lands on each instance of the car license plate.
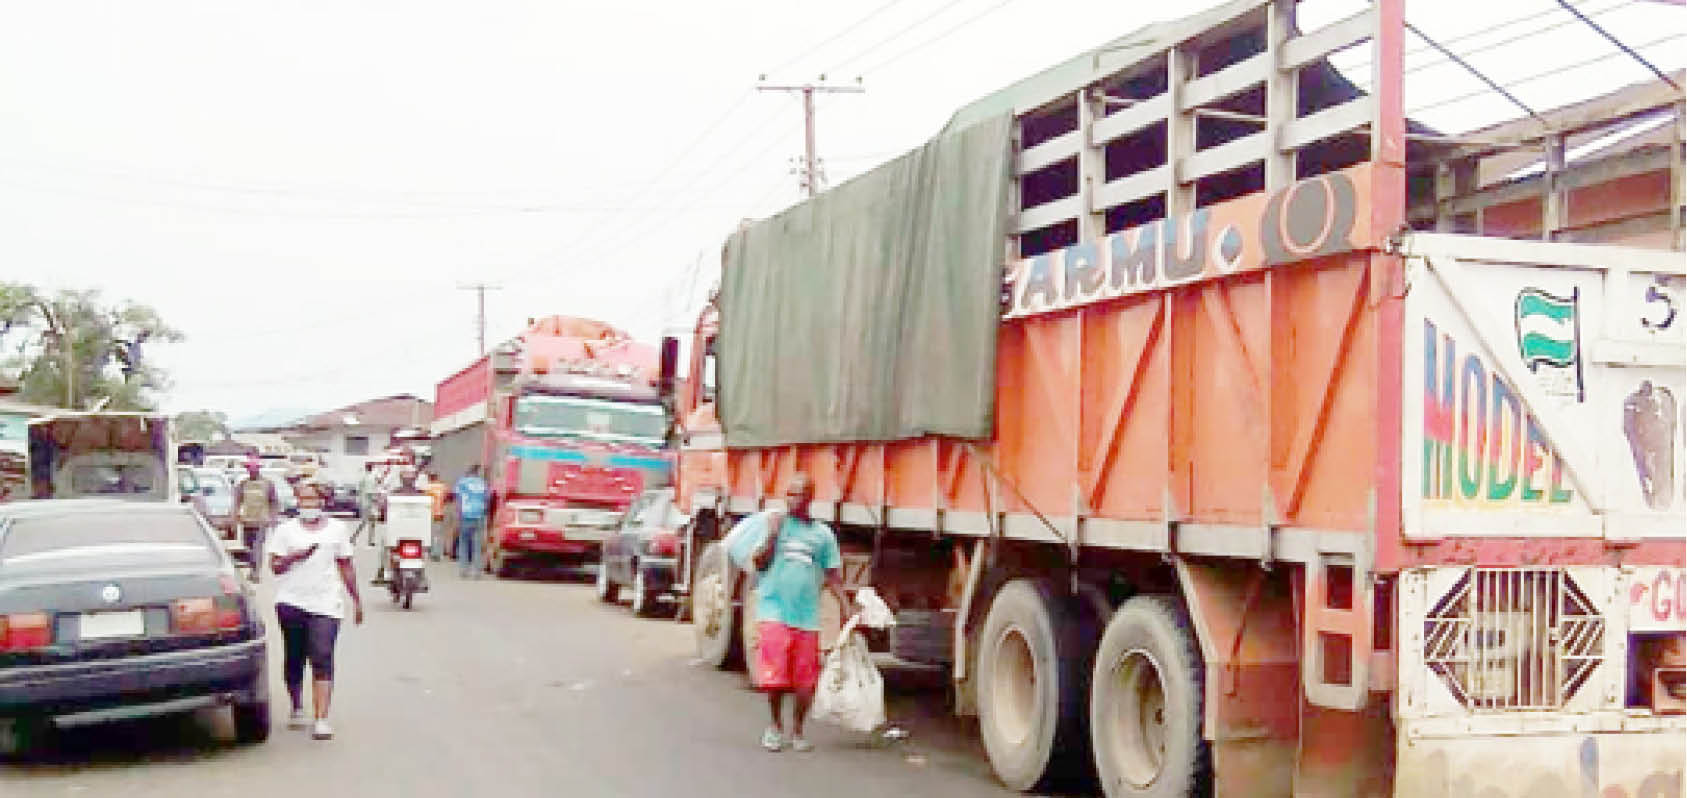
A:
(99, 625)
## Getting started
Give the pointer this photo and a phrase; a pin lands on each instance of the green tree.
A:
(202, 425)
(71, 349)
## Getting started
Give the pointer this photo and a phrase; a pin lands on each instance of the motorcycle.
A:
(409, 531)
(408, 567)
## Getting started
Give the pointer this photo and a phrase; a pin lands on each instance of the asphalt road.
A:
(513, 688)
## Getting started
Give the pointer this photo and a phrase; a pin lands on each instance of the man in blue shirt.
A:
(471, 493)
(792, 555)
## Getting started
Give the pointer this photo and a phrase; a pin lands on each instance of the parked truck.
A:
(1274, 458)
(79, 454)
(566, 423)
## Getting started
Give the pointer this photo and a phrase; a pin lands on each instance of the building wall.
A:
(344, 459)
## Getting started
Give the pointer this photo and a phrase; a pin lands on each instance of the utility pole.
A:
(811, 164)
(480, 290)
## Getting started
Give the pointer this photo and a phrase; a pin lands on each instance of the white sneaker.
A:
(297, 720)
(322, 731)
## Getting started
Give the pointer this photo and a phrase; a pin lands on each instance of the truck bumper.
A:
(1607, 765)
(529, 541)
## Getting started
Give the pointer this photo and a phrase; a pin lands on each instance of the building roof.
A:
(10, 407)
(401, 410)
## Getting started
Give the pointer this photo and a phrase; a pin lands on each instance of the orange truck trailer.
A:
(1290, 449)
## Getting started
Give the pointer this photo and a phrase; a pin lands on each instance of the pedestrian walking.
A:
(256, 508)
(436, 489)
(312, 561)
(792, 556)
(472, 502)
(367, 487)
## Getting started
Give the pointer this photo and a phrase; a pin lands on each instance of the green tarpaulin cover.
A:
(869, 313)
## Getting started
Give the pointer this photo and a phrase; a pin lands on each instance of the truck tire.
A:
(714, 620)
(1030, 691)
(607, 590)
(1145, 704)
(643, 603)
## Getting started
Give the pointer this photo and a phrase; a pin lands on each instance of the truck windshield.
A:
(593, 419)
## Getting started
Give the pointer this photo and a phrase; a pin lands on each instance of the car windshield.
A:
(594, 419)
(77, 532)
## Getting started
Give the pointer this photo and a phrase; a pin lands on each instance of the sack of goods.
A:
(851, 691)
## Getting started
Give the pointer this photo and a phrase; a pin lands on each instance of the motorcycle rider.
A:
(256, 508)
(406, 487)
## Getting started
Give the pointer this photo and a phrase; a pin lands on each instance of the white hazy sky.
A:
(301, 187)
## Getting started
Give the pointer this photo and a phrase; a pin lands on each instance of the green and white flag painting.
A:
(1546, 329)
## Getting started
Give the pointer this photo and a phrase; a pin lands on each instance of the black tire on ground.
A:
(1031, 687)
(409, 595)
(714, 618)
(644, 602)
(1145, 704)
(251, 722)
(607, 590)
(30, 736)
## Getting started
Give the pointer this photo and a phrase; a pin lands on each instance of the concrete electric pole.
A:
(480, 290)
(811, 163)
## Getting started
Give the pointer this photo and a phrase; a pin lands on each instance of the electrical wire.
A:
(935, 39)
(894, 36)
(836, 36)
(1363, 66)
(333, 215)
(609, 237)
(1542, 75)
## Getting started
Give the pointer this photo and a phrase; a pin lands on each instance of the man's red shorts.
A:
(787, 659)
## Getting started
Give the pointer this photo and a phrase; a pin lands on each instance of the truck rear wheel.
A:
(714, 620)
(1145, 704)
(1029, 686)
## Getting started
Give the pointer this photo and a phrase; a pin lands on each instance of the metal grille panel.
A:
(1514, 638)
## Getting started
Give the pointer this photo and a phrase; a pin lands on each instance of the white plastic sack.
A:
(851, 692)
(875, 614)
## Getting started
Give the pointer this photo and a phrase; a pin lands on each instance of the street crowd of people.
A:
(791, 557)
(310, 558)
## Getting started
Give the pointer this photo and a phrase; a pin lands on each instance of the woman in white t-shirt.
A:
(311, 558)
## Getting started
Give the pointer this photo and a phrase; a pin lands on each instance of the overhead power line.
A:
(893, 37)
(1454, 57)
(935, 39)
(1360, 68)
(846, 30)
(1512, 84)
(1619, 43)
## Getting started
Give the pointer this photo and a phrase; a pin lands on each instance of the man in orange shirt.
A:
(436, 489)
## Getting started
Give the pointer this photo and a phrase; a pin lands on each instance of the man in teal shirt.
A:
(792, 555)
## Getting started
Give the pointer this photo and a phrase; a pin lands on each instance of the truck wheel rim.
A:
(1138, 718)
(1014, 686)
